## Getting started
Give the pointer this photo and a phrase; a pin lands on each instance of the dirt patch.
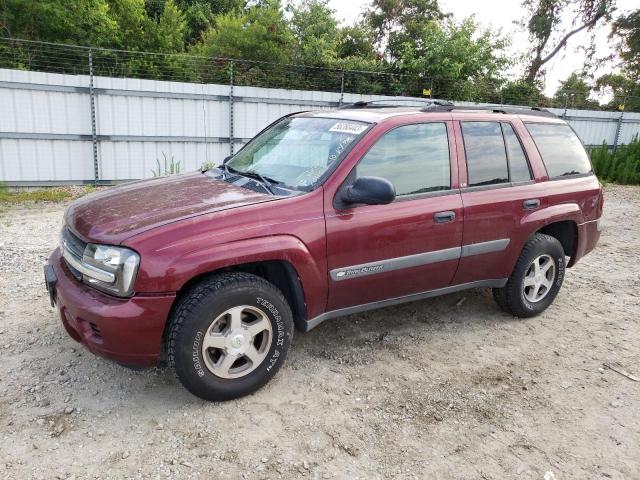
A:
(435, 389)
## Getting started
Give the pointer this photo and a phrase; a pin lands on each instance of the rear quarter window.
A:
(561, 150)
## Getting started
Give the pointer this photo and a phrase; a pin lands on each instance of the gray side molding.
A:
(485, 247)
(398, 263)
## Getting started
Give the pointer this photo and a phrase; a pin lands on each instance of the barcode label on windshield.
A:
(345, 127)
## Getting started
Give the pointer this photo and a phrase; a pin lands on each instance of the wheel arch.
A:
(560, 222)
(566, 232)
(280, 273)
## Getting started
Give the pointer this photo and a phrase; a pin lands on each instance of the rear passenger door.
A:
(497, 190)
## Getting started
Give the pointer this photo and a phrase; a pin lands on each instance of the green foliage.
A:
(399, 47)
(622, 89)
(622, 167)
(171, 167)
(260, 32)
(130, 18)
(76, 22)
(167, 34)
(521, 92)
(396, 22)
(626, 29)
(199, 15)
(356, 42)
(574, 92)
(316, 32)
(468, 63)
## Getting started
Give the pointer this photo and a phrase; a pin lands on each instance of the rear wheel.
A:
(229, 335)
(536, 278)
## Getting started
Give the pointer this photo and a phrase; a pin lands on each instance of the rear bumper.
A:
(125, 330)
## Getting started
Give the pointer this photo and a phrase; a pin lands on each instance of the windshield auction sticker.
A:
(346, 127)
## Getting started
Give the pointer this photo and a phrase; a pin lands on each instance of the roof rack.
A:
(536, 111)
(425, 103)
(434, 104)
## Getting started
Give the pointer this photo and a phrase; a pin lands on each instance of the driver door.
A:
(412, 245)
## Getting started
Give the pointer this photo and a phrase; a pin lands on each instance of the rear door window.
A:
(486, 154)
(518, 164)
(561, 150)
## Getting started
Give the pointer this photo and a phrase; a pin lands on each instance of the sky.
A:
(502, 14)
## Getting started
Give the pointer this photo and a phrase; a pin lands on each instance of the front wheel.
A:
(536, 278)
(229, 336)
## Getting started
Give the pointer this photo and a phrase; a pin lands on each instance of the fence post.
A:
(341, 87)
(94, 136)
(616, 139)
(231, 108)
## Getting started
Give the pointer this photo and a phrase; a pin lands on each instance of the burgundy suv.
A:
(321, 215)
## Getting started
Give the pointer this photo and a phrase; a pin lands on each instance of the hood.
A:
(118, 213)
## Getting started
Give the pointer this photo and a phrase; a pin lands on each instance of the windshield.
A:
(296, 152)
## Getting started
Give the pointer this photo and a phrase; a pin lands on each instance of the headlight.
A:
(105, 267)
(110, 269)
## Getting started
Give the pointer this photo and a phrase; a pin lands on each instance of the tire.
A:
(229, 335)
(519, 296)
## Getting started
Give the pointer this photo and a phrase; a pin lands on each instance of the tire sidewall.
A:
(551, 247)
(189, 361)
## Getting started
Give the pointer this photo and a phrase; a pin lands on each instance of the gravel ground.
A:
(445, 388)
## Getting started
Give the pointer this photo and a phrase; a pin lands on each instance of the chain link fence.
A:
(182, 67)
(214, 91)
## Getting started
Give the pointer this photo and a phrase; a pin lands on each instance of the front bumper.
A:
(125, 330)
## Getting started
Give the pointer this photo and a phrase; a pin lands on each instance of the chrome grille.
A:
(73, 245)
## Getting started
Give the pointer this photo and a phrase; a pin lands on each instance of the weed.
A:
(171, 167)
(40, 195)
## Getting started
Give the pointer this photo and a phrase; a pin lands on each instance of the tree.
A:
(626, 29)
(624, 92)
(356, 41)
(574, 92)
(396, 21)
(260, 32)
(521, 92)
(129, 17)
(545, 17)
(167, 34)
(467, 62)
(199, 15)
(77, 22)
(316, 32)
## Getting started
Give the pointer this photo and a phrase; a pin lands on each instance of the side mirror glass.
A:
(369, 191)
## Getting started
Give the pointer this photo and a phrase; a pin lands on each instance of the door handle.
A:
(531, 204)
(444, 217)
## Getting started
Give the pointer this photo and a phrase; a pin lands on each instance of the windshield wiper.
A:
(266, 182)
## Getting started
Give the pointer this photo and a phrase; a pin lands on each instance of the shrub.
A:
(622, 167)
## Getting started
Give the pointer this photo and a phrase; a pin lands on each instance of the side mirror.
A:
(226, 159)
(369, 191)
